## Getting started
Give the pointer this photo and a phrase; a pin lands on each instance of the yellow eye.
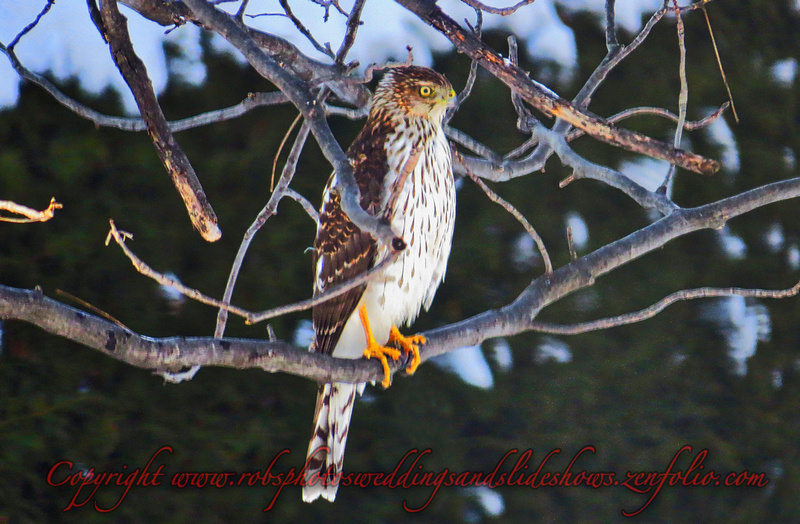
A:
(451, 94)
(425, 91)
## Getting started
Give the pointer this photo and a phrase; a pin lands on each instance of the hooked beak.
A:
(451, 98)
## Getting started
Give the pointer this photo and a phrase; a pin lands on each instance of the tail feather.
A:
(326, 449)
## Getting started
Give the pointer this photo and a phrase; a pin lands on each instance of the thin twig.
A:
(353, 22)
(719, 63)
(242, 9)
(352, 114)
(612, 42)
(31, 215)
(269, 209)
(30, 26)
(327, 5)
(303, 201)
(280, 148)
(689, 125)
(144, 269)
(494, 197)
(470, 143)
(473, 72)
(683, 97)
(249, 316)
(252, 101)
(324, 49)
(582, 168)
(92, 308)
(573, 254)
(504, 11)
(524, 117)
(650, 312)
(329, 293)
(521, 149)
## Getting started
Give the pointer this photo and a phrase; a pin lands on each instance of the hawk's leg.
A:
(376, 350)
(410, 345)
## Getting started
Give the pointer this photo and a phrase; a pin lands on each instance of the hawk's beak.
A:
(451, 98)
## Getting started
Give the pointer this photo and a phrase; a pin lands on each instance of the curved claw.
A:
(375, 350)
(410, 345)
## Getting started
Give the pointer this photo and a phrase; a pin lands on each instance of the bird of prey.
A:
(403, 168)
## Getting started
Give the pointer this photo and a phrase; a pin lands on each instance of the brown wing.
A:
(343, 249)
(344, 252)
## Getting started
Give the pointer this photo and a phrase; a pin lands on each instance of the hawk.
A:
(403, 168)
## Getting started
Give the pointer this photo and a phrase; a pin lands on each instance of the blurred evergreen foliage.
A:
(637, 393)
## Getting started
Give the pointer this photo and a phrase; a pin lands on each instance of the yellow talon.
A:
(376, 350)
(410, 345)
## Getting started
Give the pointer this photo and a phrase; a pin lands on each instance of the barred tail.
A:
(326, 449)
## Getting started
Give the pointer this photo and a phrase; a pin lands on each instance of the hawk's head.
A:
(413, 90)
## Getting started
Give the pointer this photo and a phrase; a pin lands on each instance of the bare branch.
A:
(511, 167)
(612, 42)
(326, 50)
(519, 316)
(719, 63)
(175, 353)
(573, 254)
(162, 12)
(473, 72)
(547, 101)
(120, 237)
(470, 143)
(353, 22)
(683, 96)
(689, 125)
(269, 210)
(115, 30)
(30, 26)
(250, 317)
(299, 94)
(504, 11)
(329, 293)
(582, 168)
(280, 148)
(524, 116)
(168, 12)
(658, 307)
(352, 114)
(303, 201)
(327, 5)
(252, 101)
(494, 197)
(31, 215)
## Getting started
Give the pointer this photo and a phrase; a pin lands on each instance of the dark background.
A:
(636, 393)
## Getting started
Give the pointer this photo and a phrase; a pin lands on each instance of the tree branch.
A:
(269, 209)
(298, 93)
(174, 353)
(658, 307)
(114, 29)
(519, 316)
(503, 11)
(547, 101)
(31, 215)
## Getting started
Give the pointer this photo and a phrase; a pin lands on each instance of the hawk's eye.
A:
(425, 91)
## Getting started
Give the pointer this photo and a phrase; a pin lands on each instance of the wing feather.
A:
(342, 251)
